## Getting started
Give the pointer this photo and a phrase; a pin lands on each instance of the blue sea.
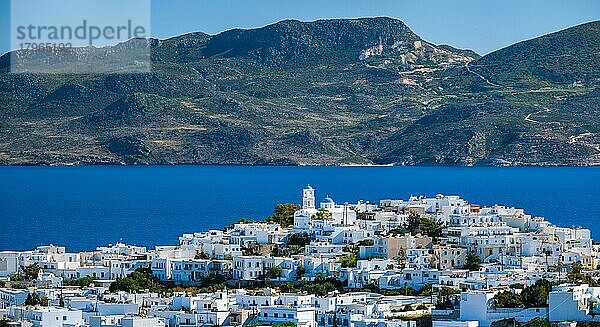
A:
(84, 207)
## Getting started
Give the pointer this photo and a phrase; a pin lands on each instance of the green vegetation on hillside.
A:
(326, 92)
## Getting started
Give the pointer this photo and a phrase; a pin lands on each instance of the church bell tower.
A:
(308, 198)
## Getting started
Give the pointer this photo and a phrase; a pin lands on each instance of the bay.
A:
(85, 207)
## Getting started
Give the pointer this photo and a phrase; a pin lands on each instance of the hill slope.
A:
(325, 92)
(565, 57)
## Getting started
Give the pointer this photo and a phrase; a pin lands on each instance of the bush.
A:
(507, 299)
(536, 295)
(275, 272)
(366, 242)
(140, 279)
(445, 298)
(82, 282)
(34, 299)
(418, 224)
(287, 287)
(284, 214)
(426, 290)
(298, 239)
(32, 271)
(349, 260)
(539, 322)
(201, 255)
(473, 262)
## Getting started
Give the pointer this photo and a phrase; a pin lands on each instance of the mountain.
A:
(350, 91)
(563, 57)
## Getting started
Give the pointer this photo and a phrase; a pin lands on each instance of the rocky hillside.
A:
(327, 92)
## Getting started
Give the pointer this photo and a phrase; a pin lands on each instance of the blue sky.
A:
(482, 25)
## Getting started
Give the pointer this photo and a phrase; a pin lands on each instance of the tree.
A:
(201, 255)
(507, 299)
(298, 239)
(397, 231)
(321, 285)
(285, 324)
(426, 290)
(577, 267)
(366, 242)
(33, 299)
(349, 260)
(539, 322)
(536, 295)
(300, 272)
(275, 272)
(287, 287)
(323, 214)
(284, 214)
(473, 262)
(140, 279)
(582, 278)
(31, 271)
(445, 298)
(81, 282)
(417, 224)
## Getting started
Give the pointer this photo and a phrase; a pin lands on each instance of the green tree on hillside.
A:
(33, 299)
(284, 214)
(418, 224)
(536, 295)
(507, 299)
(539, 322)
(82, 282)
(349, 260)
(299, 239)
(323, 214)
(31, 271)
(275, 272)
(473, 262)
(445, 298)
(140, 279)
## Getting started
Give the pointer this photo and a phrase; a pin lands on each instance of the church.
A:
(328, 214)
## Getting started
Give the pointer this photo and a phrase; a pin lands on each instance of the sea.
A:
(89, 206)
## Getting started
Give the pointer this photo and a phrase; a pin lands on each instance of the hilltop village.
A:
(438, 261)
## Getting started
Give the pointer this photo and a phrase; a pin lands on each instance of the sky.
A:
(480, 25)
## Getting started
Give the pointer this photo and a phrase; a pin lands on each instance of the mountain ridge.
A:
(328, 92)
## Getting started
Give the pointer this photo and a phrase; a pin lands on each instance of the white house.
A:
(248, 267)
(301, 316)
(12, 297)
(126, 321)
(46, 316)
(574, 303)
